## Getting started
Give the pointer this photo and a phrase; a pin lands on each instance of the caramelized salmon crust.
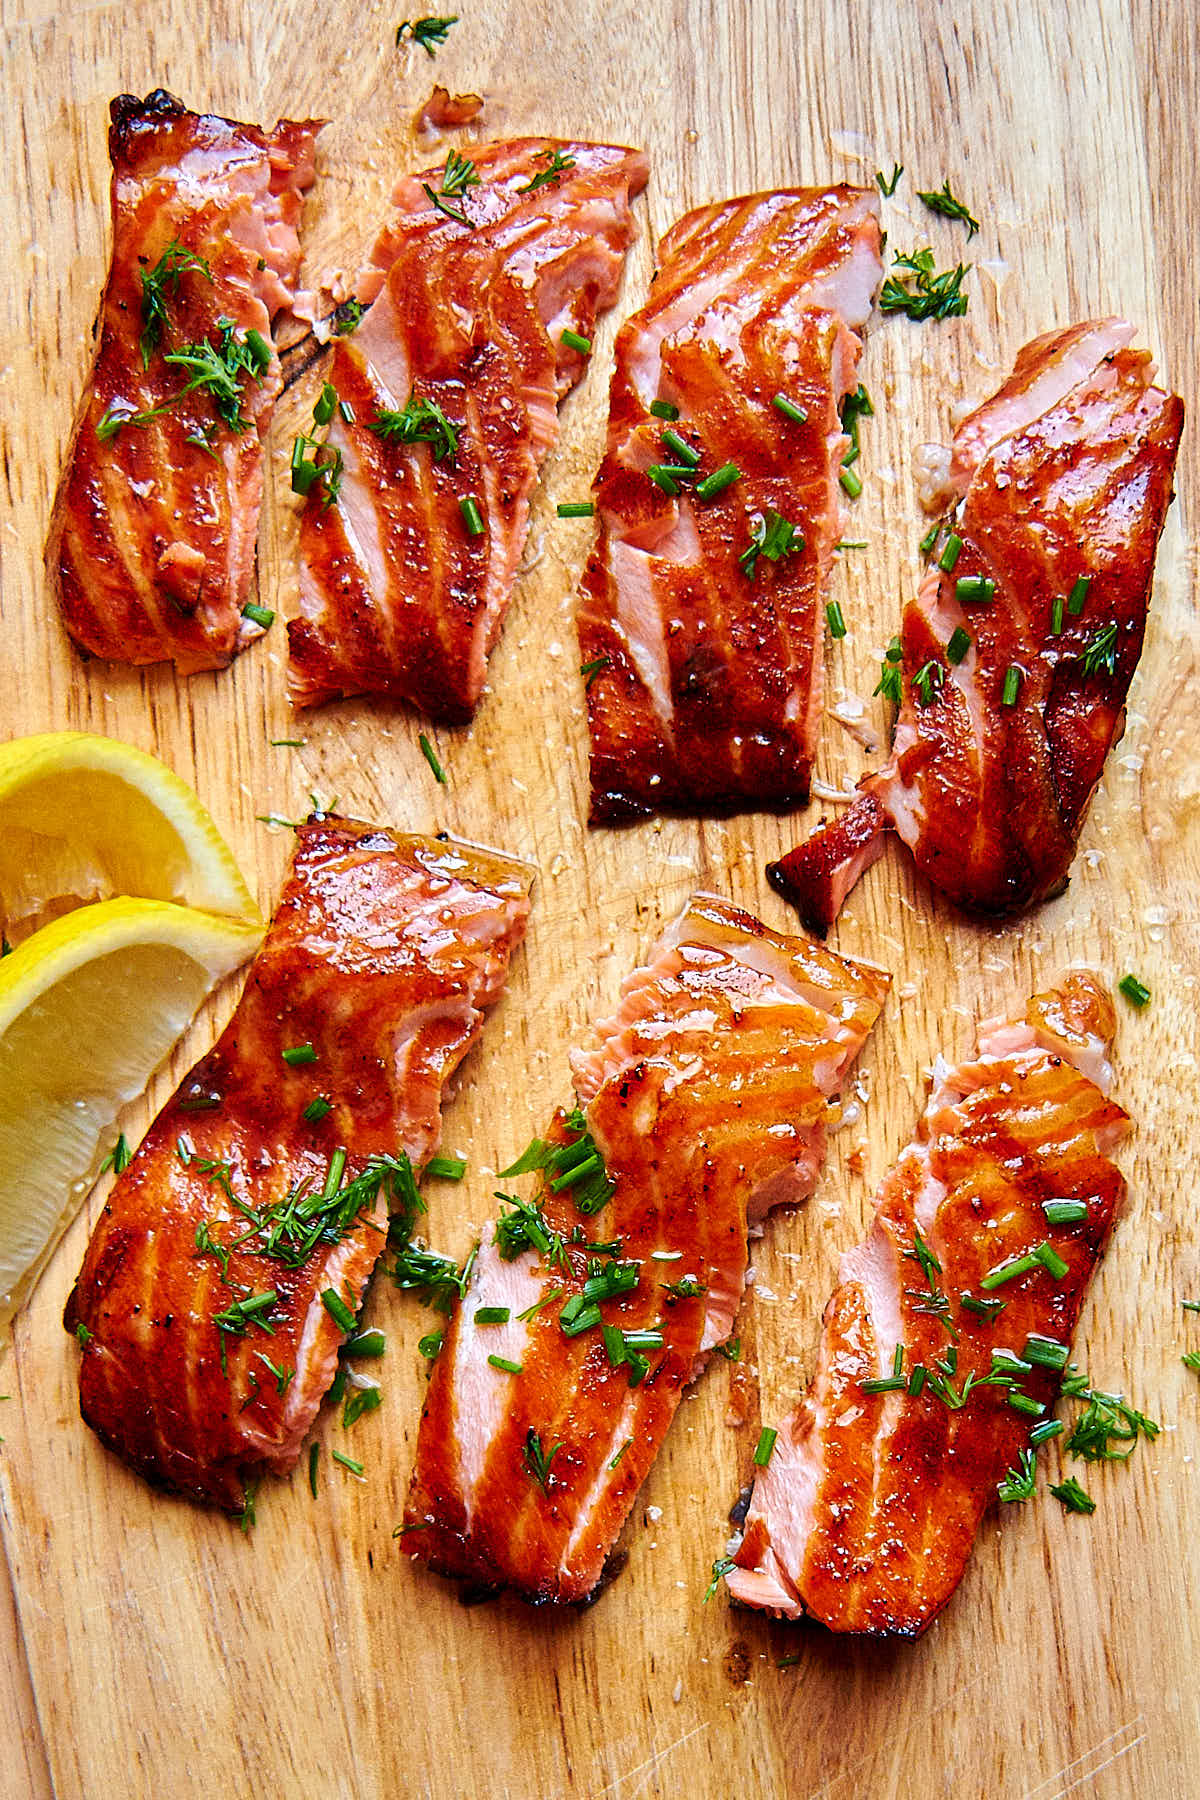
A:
(703, 658)
(152, 541)
(703, 1103)
(481, 312)
(266, 1181)
(1018, 652)
(963, 1298)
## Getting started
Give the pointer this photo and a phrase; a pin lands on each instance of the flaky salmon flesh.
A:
(591, 1306)
(943, 1346)
(484, 292)
(152, 542)
(1015, 658)
(701, 611)
(265, 1185)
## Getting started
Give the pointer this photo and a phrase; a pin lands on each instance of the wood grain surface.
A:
(147, 1648)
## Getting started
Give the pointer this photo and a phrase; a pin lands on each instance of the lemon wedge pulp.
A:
(89, 1007)
(85, 818)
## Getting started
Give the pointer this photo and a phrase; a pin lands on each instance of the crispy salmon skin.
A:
(483, 294)
(961, 1301)
(151, 547)
(267, 1180)
(701, 611)
(1014, 660)
(703, 1104)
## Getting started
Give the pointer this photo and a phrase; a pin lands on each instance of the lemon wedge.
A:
(83, 818)
(89, 1007)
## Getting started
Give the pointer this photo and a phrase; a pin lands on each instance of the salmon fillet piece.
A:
(151, 546)
(705, 666)
(703, 1104)
(369, 990)
(1017, 656)
(866, 1513)
(400, 592)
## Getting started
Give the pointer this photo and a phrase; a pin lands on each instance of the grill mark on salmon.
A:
(706, 1095)
(1065, 473)
(397, 597)
(152, 540)
(384, 953)
(706, 690)
(867, 1511)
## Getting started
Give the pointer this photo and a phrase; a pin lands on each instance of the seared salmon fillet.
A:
(151, 546)
(701, 611)
(484, 293)
(703, 1104)
(267, 1180)
(1015, 658)
(944, 1344)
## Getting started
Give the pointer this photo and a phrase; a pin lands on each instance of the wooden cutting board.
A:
(151, 1649)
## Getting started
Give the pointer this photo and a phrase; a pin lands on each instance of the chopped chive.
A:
(574, 341)
(447, 1168)
(679, 446)
(287, 743)
(930, 539)
(492, 1315)
(468, 506)
(1025, 1403)
(1008, 1271)
(983, 1309)
(620, 1453)
(663, 409)
(365, 1343)
(590, 670)
(1005, 1363)
(347, 411)
(1012, 685)
(917, 1379)
(1051, 1261)
(333, 1175)
(887, 187)
(1049, 1428)
(959, 644)
(1191, 1360)
(297, 1054)
(1135, 991)
(324, 409)
(431, 1343)
(851, 544)
(718, 481)
(337, 1309)
(347, 1462)
(660, 478)
(835, 621)
(950, 554)
(1056, 616)
(850, 483)
(506, 1363)
(431, 757)
(614, 1344)
(316, 1110)
(1190, 1305)
(764, 1447)
(579, 1320)
(314, 1456)
(789, 409)
(1073, 1497)
(1077, 596)
(576, 509)
(1065, 1212)
(975, 589)
(1046, 1351)
(259, 615)
(363, 1400)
